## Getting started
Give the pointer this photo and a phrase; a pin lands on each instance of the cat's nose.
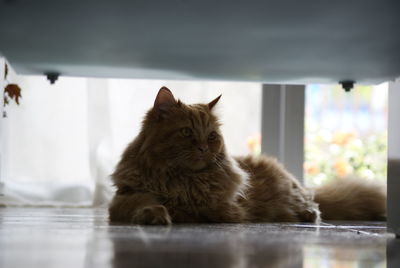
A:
(203, 148)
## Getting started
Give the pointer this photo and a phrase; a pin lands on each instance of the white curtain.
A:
(59, 146)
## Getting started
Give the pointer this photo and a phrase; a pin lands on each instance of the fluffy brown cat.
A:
(177, 170)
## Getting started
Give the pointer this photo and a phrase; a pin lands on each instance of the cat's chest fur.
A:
(196, 192)
(186, 189)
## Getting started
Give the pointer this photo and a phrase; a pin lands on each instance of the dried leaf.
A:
(13, 91)
(5, 70)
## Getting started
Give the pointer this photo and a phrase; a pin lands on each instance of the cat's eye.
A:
(186, 132)
(212, 136)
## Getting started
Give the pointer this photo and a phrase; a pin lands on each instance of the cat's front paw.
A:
(152, 215)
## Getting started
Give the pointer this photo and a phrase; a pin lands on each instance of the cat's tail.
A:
(352, 199)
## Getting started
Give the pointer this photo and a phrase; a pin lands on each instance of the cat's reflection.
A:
(190, 246)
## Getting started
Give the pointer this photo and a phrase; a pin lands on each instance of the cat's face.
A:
(185, 136)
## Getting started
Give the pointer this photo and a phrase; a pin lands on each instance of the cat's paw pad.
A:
(152, 215)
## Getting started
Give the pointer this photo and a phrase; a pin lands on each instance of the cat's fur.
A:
(177, 170)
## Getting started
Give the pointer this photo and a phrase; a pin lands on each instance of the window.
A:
(345, 133)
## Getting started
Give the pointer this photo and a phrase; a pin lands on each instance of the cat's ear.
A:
(214, 102)
(164, 100)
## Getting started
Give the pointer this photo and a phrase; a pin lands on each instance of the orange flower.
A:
(342, 168)
(254, 143)
(343, 138)
(311, 168)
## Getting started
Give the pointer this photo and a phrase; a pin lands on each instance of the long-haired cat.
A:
(177, 170)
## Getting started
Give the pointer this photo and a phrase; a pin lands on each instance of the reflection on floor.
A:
(44, 237)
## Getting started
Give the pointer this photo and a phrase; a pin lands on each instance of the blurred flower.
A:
(367, 173)
(334, 149)
(357, 143)
(342, 167)
(343, 138)
(311, 168)
(320, 179)
(254, 144)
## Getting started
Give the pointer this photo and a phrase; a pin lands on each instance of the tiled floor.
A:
(73, 238)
